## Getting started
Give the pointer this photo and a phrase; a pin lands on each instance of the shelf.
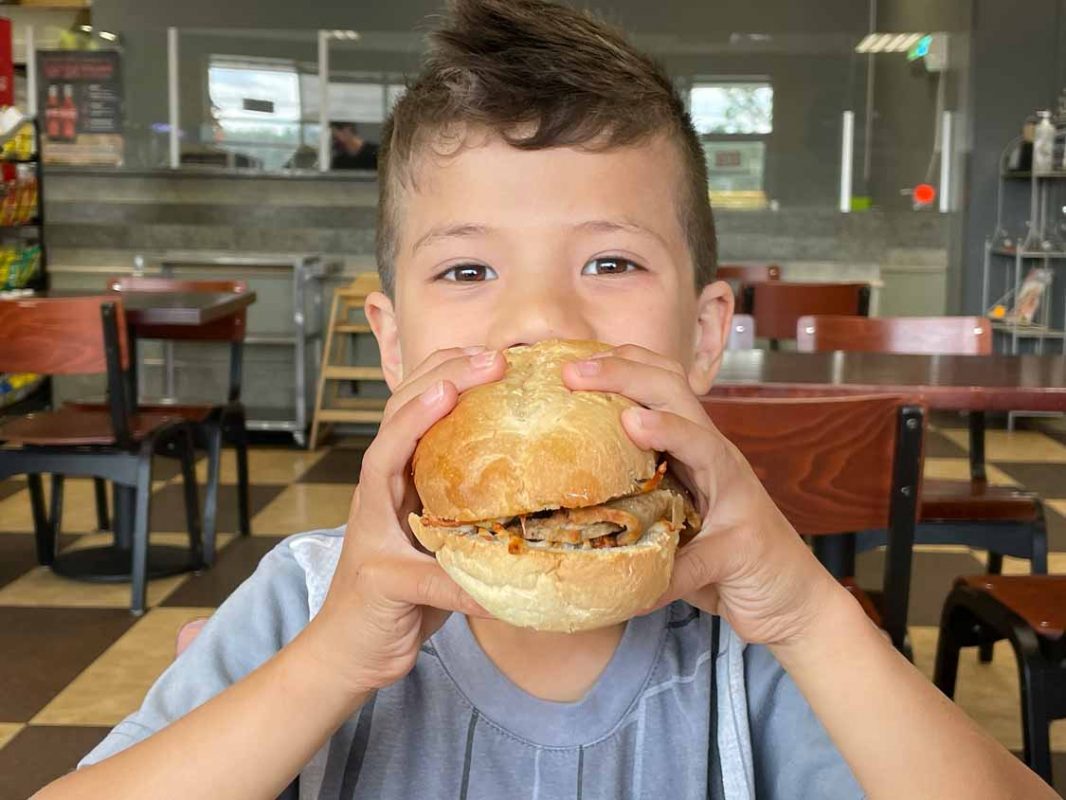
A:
(344, 415)
(11, 399)
(1028, 253)
(1013, 175)
(1027, 331)
(352, 327)
(32, 160)
(353, 373)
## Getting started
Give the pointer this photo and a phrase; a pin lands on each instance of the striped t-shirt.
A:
(659, 722)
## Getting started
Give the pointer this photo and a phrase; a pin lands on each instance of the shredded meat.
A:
(616, 523)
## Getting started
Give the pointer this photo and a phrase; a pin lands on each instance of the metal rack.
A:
(307, 273)
(36, 394)
(1015, 260)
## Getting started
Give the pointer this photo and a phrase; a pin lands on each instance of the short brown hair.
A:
(540, 75)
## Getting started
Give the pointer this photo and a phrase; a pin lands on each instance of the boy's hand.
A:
(747, 563)
(386, 597)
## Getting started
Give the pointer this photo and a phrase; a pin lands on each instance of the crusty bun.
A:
(527, 443)
(556, 589)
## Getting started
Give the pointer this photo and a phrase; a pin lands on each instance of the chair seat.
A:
(190, 412)
(70, 426)
(1038, 599)
(947, 500)
(869, 605)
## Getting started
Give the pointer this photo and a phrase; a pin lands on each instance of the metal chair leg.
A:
(214, 456)
(1035, 724)
(1038, 557)
(43, 532)
(995, 567)
(953, 624)
(103, 523)
(238, 434)
(56, 513)
(192, 497)
(139, 555)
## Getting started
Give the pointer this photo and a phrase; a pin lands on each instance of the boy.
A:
(541, 179)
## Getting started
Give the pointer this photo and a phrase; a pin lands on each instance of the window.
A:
(255, 108)
(733, 118)
(733, 108)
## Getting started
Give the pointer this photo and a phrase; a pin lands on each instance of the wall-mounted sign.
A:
(80, 106)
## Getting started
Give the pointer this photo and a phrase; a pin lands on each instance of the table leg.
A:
(837, 553)
(977, 446)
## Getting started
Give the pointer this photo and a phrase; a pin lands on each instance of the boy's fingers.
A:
(696, 446)
(642, 355)
(392, 448)
(464, 372)
(650, 385)
(704, 561)
(438, 357)
(420, 581)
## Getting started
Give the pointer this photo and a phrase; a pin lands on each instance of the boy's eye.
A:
(610, 265)
(469, 273)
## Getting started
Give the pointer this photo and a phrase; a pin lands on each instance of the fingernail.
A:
(473, 349)
(639, 417)
(587, 368)
(433, 394)
(484, 360)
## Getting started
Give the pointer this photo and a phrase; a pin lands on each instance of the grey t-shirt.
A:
(659, 722)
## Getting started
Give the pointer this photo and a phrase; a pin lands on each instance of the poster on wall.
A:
(80, 106)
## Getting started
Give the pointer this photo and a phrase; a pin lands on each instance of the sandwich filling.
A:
(616, 523)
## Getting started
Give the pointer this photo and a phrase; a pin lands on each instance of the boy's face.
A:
(500, 247)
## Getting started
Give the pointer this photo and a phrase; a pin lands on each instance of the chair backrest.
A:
(742, 333)
(837, 465)
(62, 335)
(737, 276)
(231, 328)
(778, 305)
(748, 274)
(923, 335)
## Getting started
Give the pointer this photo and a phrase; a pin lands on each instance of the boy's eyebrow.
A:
(448, 232)
(611, 225)
(464, 229)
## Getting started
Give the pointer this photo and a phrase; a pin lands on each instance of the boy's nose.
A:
(533, 314)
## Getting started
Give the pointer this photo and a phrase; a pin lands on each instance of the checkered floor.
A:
(75, 661)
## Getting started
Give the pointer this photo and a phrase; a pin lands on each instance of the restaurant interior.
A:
(187, 376)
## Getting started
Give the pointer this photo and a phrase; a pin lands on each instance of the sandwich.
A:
(539, 505)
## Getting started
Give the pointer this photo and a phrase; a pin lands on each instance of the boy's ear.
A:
(382, 318)
(714, 316)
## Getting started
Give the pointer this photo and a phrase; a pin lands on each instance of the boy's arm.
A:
(247, 742)
(899, 734)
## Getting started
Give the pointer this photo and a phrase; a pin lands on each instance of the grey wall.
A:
(1017, 56)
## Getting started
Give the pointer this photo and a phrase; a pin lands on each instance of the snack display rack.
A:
(22, 241)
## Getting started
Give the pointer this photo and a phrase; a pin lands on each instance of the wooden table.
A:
(962, 383)
(182, 308)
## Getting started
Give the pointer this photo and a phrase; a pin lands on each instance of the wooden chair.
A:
(999, 519)
(347, 322)
(742, 333)
(834, 466)
(86, 335)
(737, 276)
(213, 425)
(776, 305)
(1029, 612)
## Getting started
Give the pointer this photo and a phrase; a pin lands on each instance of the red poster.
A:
(7, 67)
